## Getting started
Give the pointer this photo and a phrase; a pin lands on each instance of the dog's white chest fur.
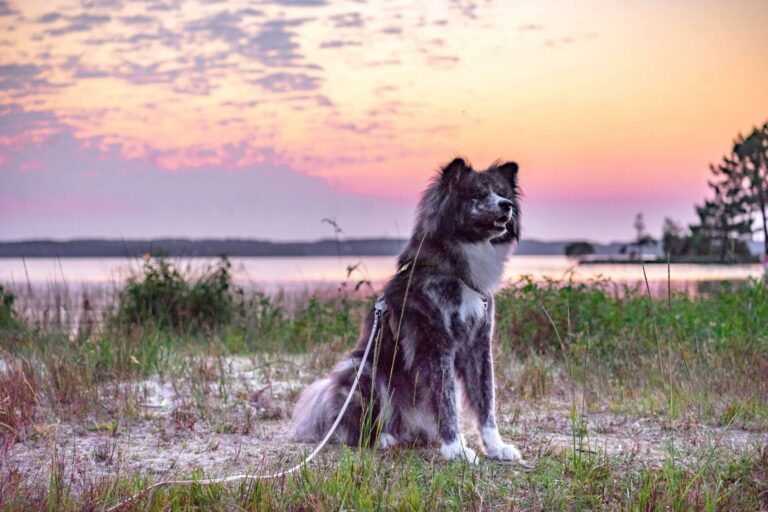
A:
(473, 305)
(486, 264)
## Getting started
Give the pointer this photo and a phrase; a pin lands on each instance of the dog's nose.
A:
(505, 204)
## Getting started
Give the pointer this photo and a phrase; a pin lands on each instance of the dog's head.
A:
(473, 206)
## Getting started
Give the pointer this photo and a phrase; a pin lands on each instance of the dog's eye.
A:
(478, 195)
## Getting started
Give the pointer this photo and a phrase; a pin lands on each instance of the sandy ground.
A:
(165, 428)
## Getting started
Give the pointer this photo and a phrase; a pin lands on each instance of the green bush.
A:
(8, 319)
(162, 297)
(621, 320)
(263, 322)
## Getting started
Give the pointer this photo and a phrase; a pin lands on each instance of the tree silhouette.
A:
(739, 196)
(740, 191)
(723, 220)
(580, 248)
(752, 172)
(642, 238)
(672, 238)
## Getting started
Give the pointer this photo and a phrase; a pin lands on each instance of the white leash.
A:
(379, 309)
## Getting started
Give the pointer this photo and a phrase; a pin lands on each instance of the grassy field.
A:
(620, 401)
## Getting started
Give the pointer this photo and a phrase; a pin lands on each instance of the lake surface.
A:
(57, 290)
(307, 272)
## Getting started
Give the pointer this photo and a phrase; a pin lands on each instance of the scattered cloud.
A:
(127, 44)
(49, 17)
(15, 121)
(80, 23)
(13, 76)
(206, 62)
(275, 44)
(230, 121)
(561, 42)
(323, 101)
(89, 189)
(139, 19)
(347, 20)
(383, 62)
(5, 8)
(162, 35)
(442, 60)
(530, 27)
(272, 44)
(193, 84)
(139, 74)
(287, 82)
(300, 3)
(161, 6)
(338, 43)
(223, 25)
(467, 8)
(318, 100)
(241, 104)
(352, 127)
(86, 73)
(103, 4)
(23, 79)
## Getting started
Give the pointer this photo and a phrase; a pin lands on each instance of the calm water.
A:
(53, 291)
(292, 272)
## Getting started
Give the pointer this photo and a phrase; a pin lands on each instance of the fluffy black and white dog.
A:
(436, 335)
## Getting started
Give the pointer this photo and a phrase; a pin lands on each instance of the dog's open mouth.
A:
(500, 222)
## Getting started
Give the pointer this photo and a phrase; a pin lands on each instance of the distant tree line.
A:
(206, 248)
(632, 250)
(739, 197)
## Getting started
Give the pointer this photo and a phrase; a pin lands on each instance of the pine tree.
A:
(724, 221)
(750, 165)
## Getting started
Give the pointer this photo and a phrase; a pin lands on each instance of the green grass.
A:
(596, 348)
(404, 481)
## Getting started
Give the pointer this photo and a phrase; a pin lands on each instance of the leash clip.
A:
(381, 306)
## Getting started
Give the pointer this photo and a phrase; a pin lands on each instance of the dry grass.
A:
(662, 405)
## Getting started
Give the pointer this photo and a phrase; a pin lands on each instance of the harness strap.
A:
(408, 264)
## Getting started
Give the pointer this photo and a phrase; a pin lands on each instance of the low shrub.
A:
(8, 318)
(622, 320)
(162, 297)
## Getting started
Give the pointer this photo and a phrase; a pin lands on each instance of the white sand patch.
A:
(166, 428)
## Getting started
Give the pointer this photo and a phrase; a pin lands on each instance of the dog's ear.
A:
(508, 171)
(454, 171)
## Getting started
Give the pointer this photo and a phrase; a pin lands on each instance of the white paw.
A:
(495, 448)
(458, 450)
(504, 452)
(387, 441)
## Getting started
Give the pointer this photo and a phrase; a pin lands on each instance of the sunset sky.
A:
(214, 118)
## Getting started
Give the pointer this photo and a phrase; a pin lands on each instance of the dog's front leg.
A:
(495, 447)
(476, 371)
(453, 444)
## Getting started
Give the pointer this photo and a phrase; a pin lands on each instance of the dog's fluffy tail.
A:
(312, 412)
(319, 405)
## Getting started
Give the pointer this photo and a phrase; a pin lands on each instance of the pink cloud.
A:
(89, 191)
(31, 166)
